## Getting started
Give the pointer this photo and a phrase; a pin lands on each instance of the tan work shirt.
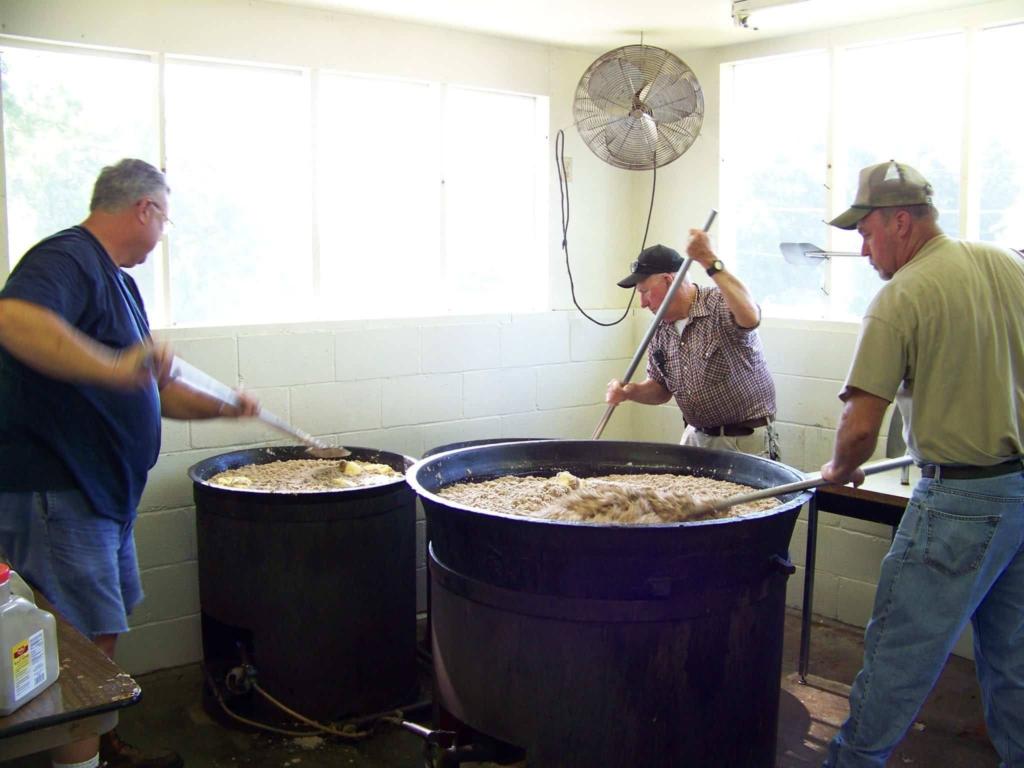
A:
(945, 337)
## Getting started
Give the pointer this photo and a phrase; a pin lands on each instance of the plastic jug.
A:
(28, 647)
(21, 589)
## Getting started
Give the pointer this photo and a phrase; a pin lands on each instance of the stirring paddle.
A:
(813, 481)
(208, 385)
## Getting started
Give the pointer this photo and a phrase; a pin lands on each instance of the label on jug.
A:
(28, 662)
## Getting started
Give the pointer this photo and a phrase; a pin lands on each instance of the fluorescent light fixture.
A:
(749, 14)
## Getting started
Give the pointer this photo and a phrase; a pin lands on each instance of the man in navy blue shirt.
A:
(82, 390)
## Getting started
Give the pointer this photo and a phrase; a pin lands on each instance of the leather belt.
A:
(955, 472)
(739, 429)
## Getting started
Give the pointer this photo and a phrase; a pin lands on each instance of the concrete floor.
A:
(949, 731)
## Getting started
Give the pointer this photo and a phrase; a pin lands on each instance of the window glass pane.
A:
(774, 178)
(999, 124)
(494, 179)
(918, 121)
(238, 142)
(378, 196)
(62, 124)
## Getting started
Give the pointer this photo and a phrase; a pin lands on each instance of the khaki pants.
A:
(763, 442)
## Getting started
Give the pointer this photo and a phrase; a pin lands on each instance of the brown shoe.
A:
(115, 753)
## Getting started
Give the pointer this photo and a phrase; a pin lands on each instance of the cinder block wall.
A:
(402, 386)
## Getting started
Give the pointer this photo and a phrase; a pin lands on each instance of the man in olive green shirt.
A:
(944, 338)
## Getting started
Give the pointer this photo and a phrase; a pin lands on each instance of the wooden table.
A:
(881, 499)
(83, 702)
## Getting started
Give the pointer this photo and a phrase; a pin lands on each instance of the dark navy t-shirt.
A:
(56, 435)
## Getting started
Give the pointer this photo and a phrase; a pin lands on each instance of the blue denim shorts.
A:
(83, 563)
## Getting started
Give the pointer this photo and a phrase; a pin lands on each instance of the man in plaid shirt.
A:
(705, 353)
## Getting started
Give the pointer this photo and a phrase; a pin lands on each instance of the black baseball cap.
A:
(652, 261)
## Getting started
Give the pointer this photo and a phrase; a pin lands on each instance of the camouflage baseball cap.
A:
(886, 185)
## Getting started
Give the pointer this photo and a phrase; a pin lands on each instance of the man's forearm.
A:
(738, 299)
(179, 401)
(44, 342)
(851, 450)
(856, 436)
(648, 392)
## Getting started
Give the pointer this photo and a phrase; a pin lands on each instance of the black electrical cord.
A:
(563, 196)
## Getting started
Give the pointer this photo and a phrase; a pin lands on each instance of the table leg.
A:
(809, 566)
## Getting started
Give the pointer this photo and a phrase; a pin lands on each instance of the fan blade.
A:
(632, 138)
(615, 83)
(671, 99)
(681, 134)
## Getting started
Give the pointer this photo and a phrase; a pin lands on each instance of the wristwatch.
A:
(716, 266)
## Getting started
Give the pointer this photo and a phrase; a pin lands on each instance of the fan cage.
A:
(638, 107)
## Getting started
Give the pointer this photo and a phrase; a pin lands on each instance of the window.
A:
(775, 122)
(239, 171)
(495, 191)
(378, 196)
(917, 123)
(296, 194)
(790, 165)
(62, 124)
(1000, 154)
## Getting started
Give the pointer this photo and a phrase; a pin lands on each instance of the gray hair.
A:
(920, 211)
(123, 184)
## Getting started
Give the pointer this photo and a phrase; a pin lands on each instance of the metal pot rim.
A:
(200, 472)
(424, 464)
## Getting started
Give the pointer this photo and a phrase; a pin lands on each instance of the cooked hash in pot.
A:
(305, 476)
(640, 499)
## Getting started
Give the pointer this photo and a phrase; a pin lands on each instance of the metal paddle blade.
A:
(802, 253)
(809, 253)
(314, 446)
(328, 453)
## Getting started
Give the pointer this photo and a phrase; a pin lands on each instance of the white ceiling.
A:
(603, 24)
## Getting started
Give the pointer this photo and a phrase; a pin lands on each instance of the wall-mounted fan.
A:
(638, 107)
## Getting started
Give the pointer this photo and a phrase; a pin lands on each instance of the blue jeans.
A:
(958, 556)
(85, 564)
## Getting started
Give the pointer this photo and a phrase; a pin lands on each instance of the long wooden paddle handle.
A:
(813, 481)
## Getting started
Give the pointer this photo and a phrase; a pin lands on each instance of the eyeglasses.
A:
(166, 219)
